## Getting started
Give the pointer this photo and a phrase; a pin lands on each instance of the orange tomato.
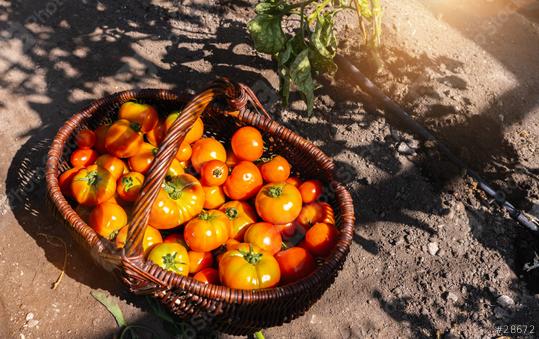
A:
(295, 263)
(199, 261)
(93, 185)
(65, 179)
(320, 239)
(206, 149)
(100, 134)
(310, 190)
(241, 215)
(83, 157)
(264, 235)
(142, 114)
(170, 256)
(112, 164)
(176, 168)
(107, 219)
(315, 212)
(248, 268)
(231, 159)
(129, 185)
(176, 237)
(294, 181)
(207, 231)
(207, 276)
(142, 161)
(214, 197)
(151, 238)
(85, 139)
(194, 133)
(184, 152)
(278, 203)
(213, 173)
(157, 134)
(275, 170)
(243, 182)
(123, 139)
(247, 143)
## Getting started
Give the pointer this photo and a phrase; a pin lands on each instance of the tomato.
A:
(320, 239)
(248, 268)
(176, 237)
(214, 197)
(275, 170)
(93, 185)
(207, 231)
(157, 134)
(206, 149)
(207, 276)
(123, 139)
(264, 235)
(199, 261)
(65, 179)
(83, 157)
(294, 181)
(278, 203)
(231, 159)
(107, 219)
(194, 133)
(112, 164)
(310, 190)
(241, 215)
(142, 114)
(295, 263)
(243, 182)
(129, 185)
(171, 256)
(142, 161)
(100, 134)
(213, 173)
(180, 199)
(85, 139)
(152, 237)
(175, 169)
(315, 212)
(247, 143)
(184, 152)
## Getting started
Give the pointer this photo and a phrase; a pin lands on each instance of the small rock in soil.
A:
(505, 301)
(450, 296)
(29, 316)
(32, 323)
(405, 149)
(433, 248)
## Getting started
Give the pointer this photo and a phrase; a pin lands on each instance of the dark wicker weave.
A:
(224, 107)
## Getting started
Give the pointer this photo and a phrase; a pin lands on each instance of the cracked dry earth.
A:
(431, 255)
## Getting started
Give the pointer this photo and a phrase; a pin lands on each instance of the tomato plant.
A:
(243, 182)
(248, 268)
(213, 173)
(123, 139)
(241, 215)
(275, 170)
(264, 235)
(129, 185)
(295, 263)
(107, 219)
(206, 149)
(207, 231)
(85, 139)
(93, 185)
(83, 157)
(142, 114)
(278, 203)
(151, 238)
(247, 143)
(171, 256)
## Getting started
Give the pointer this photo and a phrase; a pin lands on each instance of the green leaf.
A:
(259, 335)
(270, 7)
(111, 306)
(300, 73)
(267, 33)
(323, 45)
(365, 8)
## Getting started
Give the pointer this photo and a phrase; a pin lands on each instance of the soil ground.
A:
(431, 255)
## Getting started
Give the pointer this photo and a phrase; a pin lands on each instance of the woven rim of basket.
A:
(170, 279)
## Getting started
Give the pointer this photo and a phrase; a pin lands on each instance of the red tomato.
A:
(208, 276)
(85, 139)
(294, 181)
(295, 263)
(241, 215)
(157, 134)
(214, 197)
(278, 203)
(65, 180)
(123, 139)
(320, 239)
(247, 143)
(107, 219)
(100, 134)
(152, 237)
(213, 173)
(112, 164)
(199, 261)
(231, 159)
(207, 231)
(244, 181)
(206, 149)
(83, 157)
(310, 190)
(142, 114)
(264, 235)
(129, 185)
(275, 170)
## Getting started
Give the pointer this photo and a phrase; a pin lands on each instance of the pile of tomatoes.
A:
(227, 217)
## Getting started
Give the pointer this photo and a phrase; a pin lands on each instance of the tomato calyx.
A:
(231, 213)
(154, 151)
(113, 235)
(274, 191)
(169, 260)
(173, 188)
(251, 257)
(205, 216)
(128, 183)
(135, 126)
(91, 178)
(217, 172)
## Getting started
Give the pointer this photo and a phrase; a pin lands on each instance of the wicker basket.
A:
(224, 107)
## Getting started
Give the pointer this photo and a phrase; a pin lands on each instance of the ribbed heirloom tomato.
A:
(248, 268)
(180, 199)
(275, 170)
(294, 264)
(129, 185)
(65, 180)
(142, 161)
(244, 181)
(83, 157)
(247, 143)
(264, 235)
(93, 185)
(213, 173)
(278, 203)
(206, 149)
(85, 139)
(171, 256)
(241, 215)
(310, 190)
(112, 164)
(107, 219)
(207, 231)
(142, 114)
(151, 237)
(214, 197)
(123, 139)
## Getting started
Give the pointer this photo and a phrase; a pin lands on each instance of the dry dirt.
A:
(431, 255)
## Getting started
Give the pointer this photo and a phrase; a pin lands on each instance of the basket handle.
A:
(236, 95)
